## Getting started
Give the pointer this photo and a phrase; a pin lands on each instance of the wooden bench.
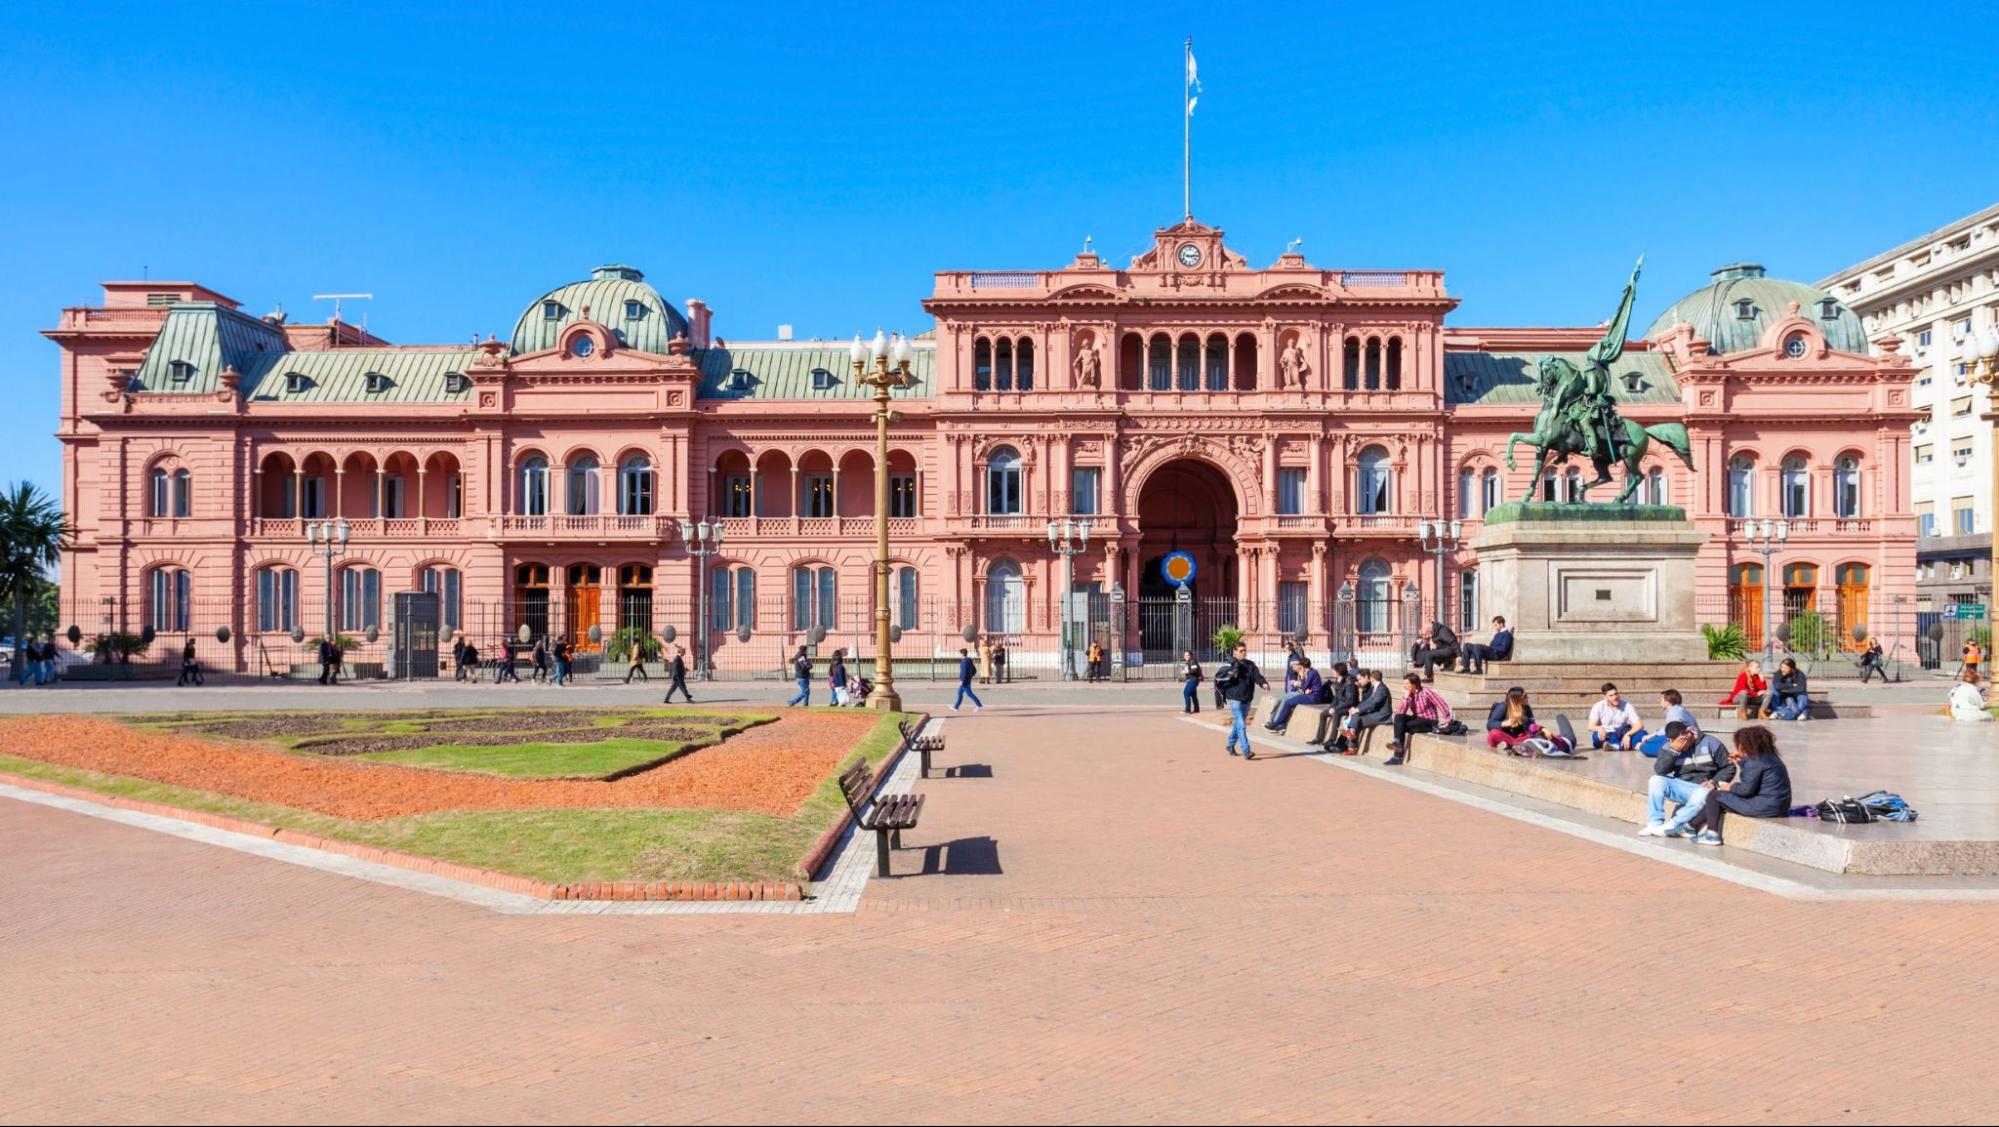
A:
(914, 739)
(886, 816)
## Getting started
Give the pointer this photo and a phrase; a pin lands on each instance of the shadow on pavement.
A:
(966, 857)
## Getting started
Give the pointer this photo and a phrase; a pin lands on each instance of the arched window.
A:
(1351, 360)
(1846, 487)
(1467, 484)
(1488, 490)
(635, 597)
(183, 488)
(1218, 363)
(1159, 365)
(1003, 365)
(1190, 364)
(982, 365)
(1371, 483)
(1006, 598)
(277, 599)
(1371, 602)
(583, 490)
(905, 598)
(1395, 363)
(635, 486)
(1023, 375)
(449, 587)
(1656, 492)
(1003, 483)
(1741, 487)
(813, 592)
(156, 494)
(1572, 484)
(172, 591)
(534, 487)
(1374, 363)
(360, 598)
(1795, 487)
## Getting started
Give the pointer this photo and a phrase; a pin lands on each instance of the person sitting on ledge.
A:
(1613, 721)
(1373, 706)
(1422, 711)
(1689, 762)
(1511, 722)
(1966, 702)
(1343, 693)
(1787, 699)
(1671, 701)
(1499, 649)
(1761, 787)
(1437, 645)
(1307, 687)
(1747, 695)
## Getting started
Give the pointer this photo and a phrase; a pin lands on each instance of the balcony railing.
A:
(649, 527)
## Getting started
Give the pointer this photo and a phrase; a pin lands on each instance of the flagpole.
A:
(1187, 132)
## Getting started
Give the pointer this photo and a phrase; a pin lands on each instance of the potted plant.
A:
(1226, 637)
(627, 640)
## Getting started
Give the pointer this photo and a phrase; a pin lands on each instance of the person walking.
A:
(339, 660)
(326, 661)
(638, 665)
(836, 678)
(967, 669)
(503, 669)
(45, 661)
(190, 666)
(1873, 661)
(458, 657)
(539, 655)
(1190, 683)
(801, 671)
(470, 671)
(677, 670)
(562, 654)
(1237, 680)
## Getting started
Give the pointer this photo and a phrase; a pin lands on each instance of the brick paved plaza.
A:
(1119, 923)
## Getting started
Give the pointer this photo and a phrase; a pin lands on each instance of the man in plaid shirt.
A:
(1422, 711)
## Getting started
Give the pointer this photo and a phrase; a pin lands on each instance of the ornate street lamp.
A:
(1440, 538)
(1068, 539)
(327, 540)
(703, 539)
(889, 372)
(1767, 536)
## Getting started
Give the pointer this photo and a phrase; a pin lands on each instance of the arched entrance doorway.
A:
(1185, 506)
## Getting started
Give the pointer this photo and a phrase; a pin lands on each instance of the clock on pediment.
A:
(1189, 255)
(1185, 247)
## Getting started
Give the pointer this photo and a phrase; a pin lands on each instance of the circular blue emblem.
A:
(1178, 568)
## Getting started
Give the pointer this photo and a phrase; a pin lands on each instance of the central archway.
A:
(1186, 505)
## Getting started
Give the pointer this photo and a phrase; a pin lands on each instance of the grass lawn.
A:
(563, 846)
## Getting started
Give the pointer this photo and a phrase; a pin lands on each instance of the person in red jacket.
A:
(1747, 695)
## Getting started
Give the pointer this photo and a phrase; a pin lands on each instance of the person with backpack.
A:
(1690, 760)
(1190, 682)
(638, 664)
(326, 659)
(1788, 698)
(801, 672)
(1423, 710)
(503, 669)
(677, 671)
(1761, 787)
(1237, 680)
(967, 669)
(1511, 723)
(470, 662)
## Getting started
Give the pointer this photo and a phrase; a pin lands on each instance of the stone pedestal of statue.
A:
(1601, 586)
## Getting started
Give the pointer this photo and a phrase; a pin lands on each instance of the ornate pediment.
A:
(1188, 247)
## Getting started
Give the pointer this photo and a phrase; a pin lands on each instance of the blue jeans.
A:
(965, 691)
(804, 693)
(1790, 707)
(1238, 724)
(1652, 745)
(1688, 796)
(1616, 736)
(1190, 700)
(1286, 707)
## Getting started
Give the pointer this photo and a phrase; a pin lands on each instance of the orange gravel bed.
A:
(769, 769)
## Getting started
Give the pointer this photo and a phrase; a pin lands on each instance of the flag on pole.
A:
(1193, 80)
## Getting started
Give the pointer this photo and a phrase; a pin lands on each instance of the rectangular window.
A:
(737, 495)
(1083, 483)
(313, 503)
(1468, 599)
(454, 497)
(1959, 408)
(902, 495)
(1960, 453)
(746, 598)
(1925, 455)
(452, 601)
(905, 601)
(1292, 603)
(719, 617)
(1923, 339)
(392, 497)
(1966, 520)
(801, 598)
(360, 598)
(1926, 518)
(1290, 491)
(818, 495)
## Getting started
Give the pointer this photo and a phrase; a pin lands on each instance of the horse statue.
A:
(1578, 417)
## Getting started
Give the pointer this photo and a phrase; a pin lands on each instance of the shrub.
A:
(343, 641)
(1810, 632)
(1226, 637)
(1726, 643)
(630, 638)
(118, 646)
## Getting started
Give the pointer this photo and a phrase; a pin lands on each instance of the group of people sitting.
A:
(1753, 698)
(1438, 645)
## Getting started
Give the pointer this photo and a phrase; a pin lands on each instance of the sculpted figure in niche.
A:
(1292, 367)
(1087, 374)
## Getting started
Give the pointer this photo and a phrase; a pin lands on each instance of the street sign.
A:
(1178, 568)
(1965, 612)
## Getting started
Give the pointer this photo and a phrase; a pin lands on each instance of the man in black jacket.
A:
(1689, 760)
(677, 669)
(326, 661)
(1375, 707)
(1346, 697)
(1238, 681)
(1438, 646)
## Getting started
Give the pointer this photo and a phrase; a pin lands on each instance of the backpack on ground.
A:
(1887, 807)
(1844, 811)
(1456, 727)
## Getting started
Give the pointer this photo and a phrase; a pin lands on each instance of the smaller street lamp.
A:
(327, 540)
(1440, 538)
(1068, 539)
(1767, 537)
(703, 540)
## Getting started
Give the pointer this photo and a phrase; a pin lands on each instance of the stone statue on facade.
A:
(1579, 416)
(1087, 372)
(1292, 367)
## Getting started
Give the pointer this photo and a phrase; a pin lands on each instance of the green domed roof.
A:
(1732, 311)
(616, 297)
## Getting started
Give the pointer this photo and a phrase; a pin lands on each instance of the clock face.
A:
(1190, 255)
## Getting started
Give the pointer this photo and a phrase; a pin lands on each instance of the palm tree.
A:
(33, 535)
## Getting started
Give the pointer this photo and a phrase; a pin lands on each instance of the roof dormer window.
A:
(634, 310)
(295, 382)
(739, 380)
(377, 383)
(822, 380)
(454, 382)
(1745, 310)
(551, 311)
(180, 371)
(1828, 310)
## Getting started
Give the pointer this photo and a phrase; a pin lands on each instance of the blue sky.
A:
(813, 164)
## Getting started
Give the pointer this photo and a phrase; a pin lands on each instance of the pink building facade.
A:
(1289, 427)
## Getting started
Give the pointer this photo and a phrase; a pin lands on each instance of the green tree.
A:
(33, 535)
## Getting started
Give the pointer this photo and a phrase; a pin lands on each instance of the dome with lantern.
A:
(1740, 302)
(616, 297)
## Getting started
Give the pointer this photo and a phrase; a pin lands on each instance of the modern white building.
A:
(1935, 293)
